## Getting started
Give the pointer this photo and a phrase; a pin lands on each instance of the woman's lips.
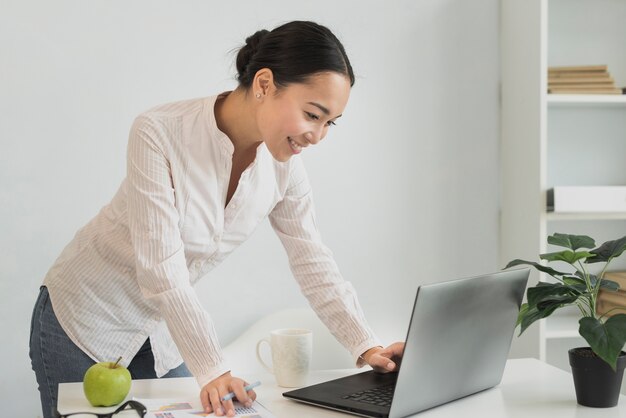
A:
(295, 147)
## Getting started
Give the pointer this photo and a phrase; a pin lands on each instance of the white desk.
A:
(529, 388)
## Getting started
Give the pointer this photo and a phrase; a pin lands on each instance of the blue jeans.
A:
(56, 359)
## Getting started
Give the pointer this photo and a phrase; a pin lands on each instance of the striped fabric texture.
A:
(128, 274)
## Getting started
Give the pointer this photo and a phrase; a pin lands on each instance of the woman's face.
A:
(300, 115)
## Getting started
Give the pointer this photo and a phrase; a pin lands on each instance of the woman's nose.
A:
(313, 137)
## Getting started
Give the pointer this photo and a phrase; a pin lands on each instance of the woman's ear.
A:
(263, 82)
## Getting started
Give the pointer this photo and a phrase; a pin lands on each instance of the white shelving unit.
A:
(558, 140)
(582, 216)
(561, 326)
(585, 99)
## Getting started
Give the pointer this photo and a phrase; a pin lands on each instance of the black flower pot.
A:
(597, 385)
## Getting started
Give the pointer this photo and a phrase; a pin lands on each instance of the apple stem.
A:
(115, 365)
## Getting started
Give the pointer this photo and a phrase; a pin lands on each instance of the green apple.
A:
(106, 384)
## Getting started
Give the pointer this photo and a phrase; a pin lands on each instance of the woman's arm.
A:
(312, 264)
(162, 273)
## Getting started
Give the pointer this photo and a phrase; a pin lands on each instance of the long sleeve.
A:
(128, 274)
(312, 264)
(162, 271)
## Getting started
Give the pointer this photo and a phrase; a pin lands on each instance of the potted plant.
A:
(597, 369)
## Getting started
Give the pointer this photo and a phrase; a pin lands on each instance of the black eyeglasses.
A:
(138, 407)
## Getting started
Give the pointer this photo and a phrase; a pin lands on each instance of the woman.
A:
(201, 175)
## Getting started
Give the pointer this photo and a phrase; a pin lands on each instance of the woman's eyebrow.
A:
(323, 109)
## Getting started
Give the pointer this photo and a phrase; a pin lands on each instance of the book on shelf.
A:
(586, 79)
(617, 276)
(578, 75)
(581, 82)
(583, 87)
(610, 302)
(590, 90)
(579, 68)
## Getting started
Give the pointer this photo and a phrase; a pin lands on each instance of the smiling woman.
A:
(288, 119)
(201, 175)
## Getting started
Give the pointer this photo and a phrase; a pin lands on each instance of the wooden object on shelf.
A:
(581, 81)
(579, 76)
(617, 276)
(607, 301)
(566, 90)
(590, 79)
(591, 84)
(579, 68)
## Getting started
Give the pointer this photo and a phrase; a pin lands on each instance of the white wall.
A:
(406, 185)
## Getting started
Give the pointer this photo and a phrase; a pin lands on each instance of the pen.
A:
(231, 395)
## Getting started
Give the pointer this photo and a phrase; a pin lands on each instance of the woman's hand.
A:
(212, 393)
(384, 360)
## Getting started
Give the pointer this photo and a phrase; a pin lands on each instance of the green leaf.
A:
(523, 310)
(545, 269)
(593, 279)
(577, 284)
(543, 300)
(605, 339)
(547, 292)
(568, 256)
(608, 250)
(572, 242)
(531, 314)
(609, 285)
(556, 302)
(605, 284)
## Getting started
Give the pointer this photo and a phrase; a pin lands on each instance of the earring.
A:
(258, 95)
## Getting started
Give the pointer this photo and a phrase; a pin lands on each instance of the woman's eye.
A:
(313, 116)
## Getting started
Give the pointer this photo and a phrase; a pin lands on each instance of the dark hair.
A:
(294, 52)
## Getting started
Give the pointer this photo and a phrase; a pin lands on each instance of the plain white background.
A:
(406, 185)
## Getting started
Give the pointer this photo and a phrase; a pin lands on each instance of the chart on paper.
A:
(184, 408)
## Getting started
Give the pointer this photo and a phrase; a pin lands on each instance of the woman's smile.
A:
(296, 148)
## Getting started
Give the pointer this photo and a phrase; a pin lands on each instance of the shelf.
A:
(586, 216)
(562, 326)
(548, 137)
(586, 99)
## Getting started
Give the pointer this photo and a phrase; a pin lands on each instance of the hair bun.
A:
(293, 52)
(254, 40)
(246, 53)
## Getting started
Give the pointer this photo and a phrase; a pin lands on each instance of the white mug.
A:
(291, 355)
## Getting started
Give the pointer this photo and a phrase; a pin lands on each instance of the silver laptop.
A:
(457, 344)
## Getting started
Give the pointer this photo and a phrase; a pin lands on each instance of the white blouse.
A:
(129, 273)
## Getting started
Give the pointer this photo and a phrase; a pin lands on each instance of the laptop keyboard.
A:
(380, 396)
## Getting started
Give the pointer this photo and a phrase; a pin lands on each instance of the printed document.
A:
(184, 408)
